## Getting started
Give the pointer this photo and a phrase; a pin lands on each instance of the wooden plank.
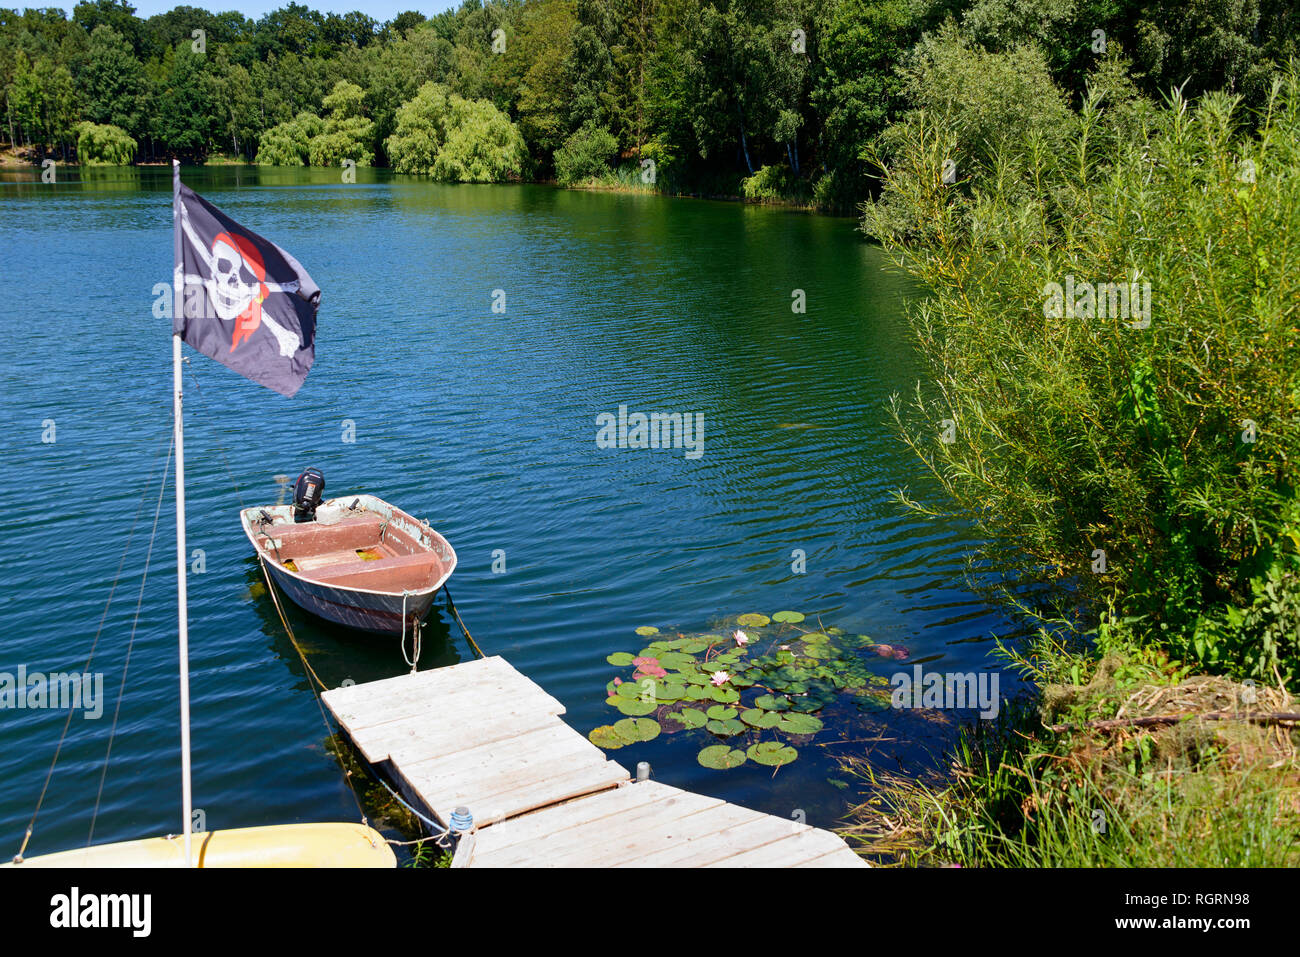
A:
(612, 839)
(499, 765)
(438, 680)
(391, 698)
(748, 829)
(420, 696)
(560, 818)
(793, 849)
(539, 794)
(844, 857)
(466, 845)
(423, 736)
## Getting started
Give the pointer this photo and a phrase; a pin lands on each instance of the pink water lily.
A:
(741, 637)
(720, 678)
(618, 681)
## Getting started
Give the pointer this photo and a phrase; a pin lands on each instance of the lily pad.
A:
(796, 723)
(753, 620)
(607, 737)
(647, 630)
(633, 707)
(721, 712)
(725, 728)
(790, 617)
(771, 702)
(689, 717)
(758, 718)
(628, 689)
(772, 753)
(668, 692)
(620, 659)
(724, 695)
(699, 693)
(693, 646)
(637, 729)
(721, 757)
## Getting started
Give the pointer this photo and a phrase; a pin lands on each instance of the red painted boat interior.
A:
(360, 551)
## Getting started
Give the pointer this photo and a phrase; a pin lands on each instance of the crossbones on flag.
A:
(245, 301)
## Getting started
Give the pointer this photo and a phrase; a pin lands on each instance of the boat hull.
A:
(365, 611)
(286, 845)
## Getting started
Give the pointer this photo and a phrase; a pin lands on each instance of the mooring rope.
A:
(320, 704)
(67, 723)
(130, 645)
(451, 606)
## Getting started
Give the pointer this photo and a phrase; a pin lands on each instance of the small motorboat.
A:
(354, 560)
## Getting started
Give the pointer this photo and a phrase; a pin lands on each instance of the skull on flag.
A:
(236, 288)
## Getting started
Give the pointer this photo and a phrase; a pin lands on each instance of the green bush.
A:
(1143, 462)
(103, 145)
(288, 144)
(588, 154)
(454, 139)
(772, 184)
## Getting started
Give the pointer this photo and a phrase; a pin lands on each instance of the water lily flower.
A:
(741, 637)
(618, 681)
(720, 678)
(785, 647)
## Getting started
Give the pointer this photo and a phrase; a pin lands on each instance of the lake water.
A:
(485, 423)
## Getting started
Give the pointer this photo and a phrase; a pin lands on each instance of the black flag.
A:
(244, 301)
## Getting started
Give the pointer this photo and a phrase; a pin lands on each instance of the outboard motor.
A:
(307, 491)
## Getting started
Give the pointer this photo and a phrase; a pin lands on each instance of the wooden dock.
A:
(483, 736)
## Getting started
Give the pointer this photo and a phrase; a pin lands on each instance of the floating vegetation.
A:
(625, 732)
(753, 687)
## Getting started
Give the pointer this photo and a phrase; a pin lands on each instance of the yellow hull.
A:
(286, 845)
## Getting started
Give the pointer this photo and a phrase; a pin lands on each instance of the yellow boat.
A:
(284, 845)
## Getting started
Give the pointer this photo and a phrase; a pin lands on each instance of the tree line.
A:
(769, 97)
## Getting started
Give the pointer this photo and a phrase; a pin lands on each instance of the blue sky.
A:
(381, 10)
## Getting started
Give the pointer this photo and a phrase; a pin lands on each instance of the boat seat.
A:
(312, 538)
(410, 572)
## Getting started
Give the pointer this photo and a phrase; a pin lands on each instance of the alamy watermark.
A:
(656, 430)
(1085, 300)
(950, 690)
(62, 691)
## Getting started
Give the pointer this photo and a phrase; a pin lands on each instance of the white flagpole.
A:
(178, 283)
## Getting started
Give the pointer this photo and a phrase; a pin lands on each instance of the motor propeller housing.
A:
(307, 492)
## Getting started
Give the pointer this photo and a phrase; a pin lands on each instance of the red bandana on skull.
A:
(238, 284)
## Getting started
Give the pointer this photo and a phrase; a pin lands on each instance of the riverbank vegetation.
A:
(1112, 400)
(768, 99)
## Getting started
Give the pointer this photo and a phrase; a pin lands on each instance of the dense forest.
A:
(779, 98)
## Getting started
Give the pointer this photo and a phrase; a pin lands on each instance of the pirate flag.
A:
(244, 301)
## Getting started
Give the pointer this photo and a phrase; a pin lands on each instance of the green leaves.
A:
(771, 753)
(688, 717)
(772, 686)
(637, 729)
(721, 757)
(622, 733)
